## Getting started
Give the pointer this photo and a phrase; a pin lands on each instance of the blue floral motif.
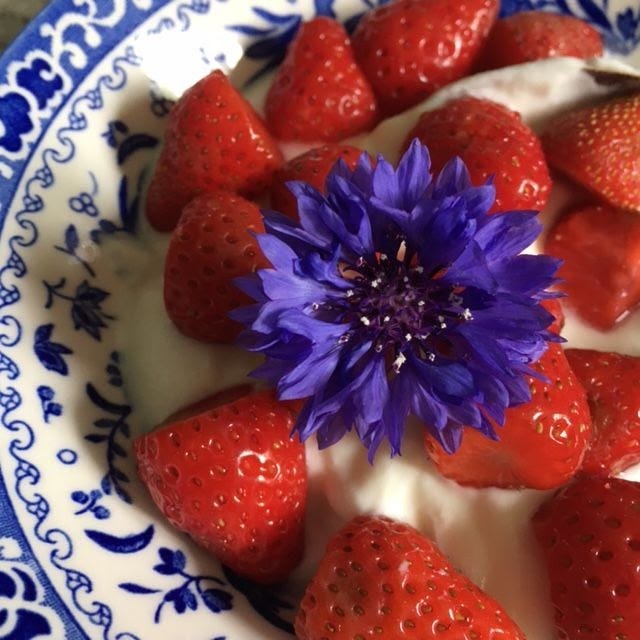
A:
(50, 353)
(190, 593)
(84, 203)
(130, 543)
(40, 80)
(15, 121)
(86, 306)
(110, 429)
(89, 504)
(70, 246)
(19, 594)
(49, 407)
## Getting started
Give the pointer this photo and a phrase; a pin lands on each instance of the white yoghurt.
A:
(486, 533)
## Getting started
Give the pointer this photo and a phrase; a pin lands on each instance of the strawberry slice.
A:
(381, 578)
(590, 539)
(214, 141)
(318, 92)
(233, 479)
(542, 443)
(600, 247)
(536, 35)
(311, 167)
(410, 48)
(599, 148)
(211, 246)
(611, 383)
(493, 141)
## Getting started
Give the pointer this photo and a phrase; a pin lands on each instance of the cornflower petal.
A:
(398, 294)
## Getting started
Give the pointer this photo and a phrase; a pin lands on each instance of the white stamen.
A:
(378, 348)
(405, 279)
(398, 362)
(345, 337)
(315, 306)
(408, 337)
(351, 293)
(467, 315)
(386, 319)
(375, 283)
(383, 257)
(443, 324)
(421, 303)
(431, 356)
(365, 321)
(419, 269)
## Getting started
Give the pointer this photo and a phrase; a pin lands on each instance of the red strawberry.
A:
(311, 167)
(599, 148)
(590, 538)
(542, 443)
(553, 306)
(611, 383)
(234, 480)
(535, 35)
(493, 141)
(381, 578)
(600, 247)
(318, 92)
(410, 48)
(214, 140)
(210, 247)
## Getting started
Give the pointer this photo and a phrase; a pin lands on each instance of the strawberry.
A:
(553, 306)
(590, 538)
(410, 48)
(233, 479)
(493, 141)
(381, 578)
(611, 383)
(318, 92)
(211, 246)
(599, 148)
(311, 167)
(542, 443)
(600, 247)
(535, 35)
(214, 140)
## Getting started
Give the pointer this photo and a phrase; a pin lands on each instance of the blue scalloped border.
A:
(31, 40)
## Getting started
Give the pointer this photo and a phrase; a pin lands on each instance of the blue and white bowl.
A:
(82, 552)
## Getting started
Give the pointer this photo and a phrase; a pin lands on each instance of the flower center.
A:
(399, 307)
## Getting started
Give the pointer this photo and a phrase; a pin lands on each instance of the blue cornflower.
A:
(397, 294)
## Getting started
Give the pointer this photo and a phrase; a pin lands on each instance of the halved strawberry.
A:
(493, 141)
(231, 477)
(319, 93)
(599, 148)
(600, 249)
(214, 141)
(311, 167)
(535, 35)
(410, 48)
(542, 443)
(211, 246)
(611, 383)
